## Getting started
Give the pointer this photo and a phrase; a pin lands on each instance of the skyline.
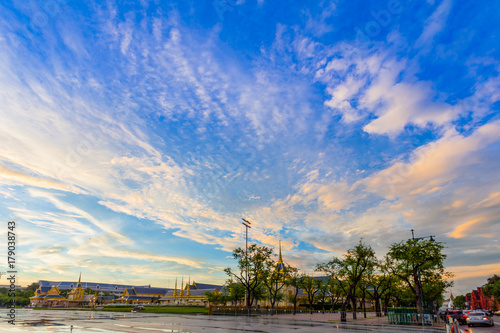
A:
(136, 136)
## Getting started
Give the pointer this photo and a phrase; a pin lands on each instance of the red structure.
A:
(478, 300)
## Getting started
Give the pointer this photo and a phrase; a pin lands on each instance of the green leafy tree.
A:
(419, 264)
(33, 287)
(335, 291)
(274, 280)
(459, 301)
(379, 284)
(215, 298)
(492, 287)
(294, 283)
(323, 293)
(236, 292)
(252, 270)
(349, 271)
(311, 287)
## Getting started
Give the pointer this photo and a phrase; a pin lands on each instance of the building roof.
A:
(206, 286)
(148, 290)
(138, 298)
(68, 285)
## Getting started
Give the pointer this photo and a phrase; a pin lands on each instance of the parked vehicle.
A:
(456, 314)
(138, 308)
(479, 318)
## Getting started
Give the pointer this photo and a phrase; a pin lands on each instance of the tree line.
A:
(411, 274)
(21, 297)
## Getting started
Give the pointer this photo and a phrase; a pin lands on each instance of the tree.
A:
(310, 286)
(236, 292)
(274, 280)
(252, 270)
(492, 288)
(294, 282)
(379, 284)
(33, 287)
(349, 271)
(323, 293)
(215, 298)
(459, 301)
(419, 264)
(335, 291)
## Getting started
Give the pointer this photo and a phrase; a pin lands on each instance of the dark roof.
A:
(49, 296)
(147, 290)
(45, 289)
(131, 291)
(63, 285)
(138, 297)
(208, 286)
(199, 292)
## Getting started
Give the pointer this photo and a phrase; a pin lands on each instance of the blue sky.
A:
(134, 137)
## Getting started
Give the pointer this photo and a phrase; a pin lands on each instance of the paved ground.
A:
(104, 322)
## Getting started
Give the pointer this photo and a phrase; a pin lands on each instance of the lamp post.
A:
(431, 239)
(246, 223)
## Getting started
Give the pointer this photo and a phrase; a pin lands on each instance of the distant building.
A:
(136, 295)
(115, 289)
(478, 300)
(46, 296)
(448, 303)
(190, 294)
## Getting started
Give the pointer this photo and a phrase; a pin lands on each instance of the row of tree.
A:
(21, 297)
(411, 274)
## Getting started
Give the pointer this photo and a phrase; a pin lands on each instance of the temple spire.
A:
(182, 286)
(280, 259)
(80, 279)
(175, 288)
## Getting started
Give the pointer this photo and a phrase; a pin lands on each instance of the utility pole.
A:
(246, 223)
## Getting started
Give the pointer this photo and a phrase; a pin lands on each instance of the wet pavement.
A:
(69, 321)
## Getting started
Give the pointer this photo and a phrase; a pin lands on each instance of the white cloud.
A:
(435, 23)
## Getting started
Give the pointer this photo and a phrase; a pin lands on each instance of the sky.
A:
(135, 136)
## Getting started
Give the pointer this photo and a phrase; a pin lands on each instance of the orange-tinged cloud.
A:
(461, 230)
(464, 272)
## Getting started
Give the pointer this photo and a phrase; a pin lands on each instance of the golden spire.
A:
(175, 289)
(280, 266)
(182, 286)
(80, 279)
(280, 259)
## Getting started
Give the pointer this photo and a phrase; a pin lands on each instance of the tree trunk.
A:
(343, 317)
(418, 294)
(364, 305)
(354, 306)
(377, 305)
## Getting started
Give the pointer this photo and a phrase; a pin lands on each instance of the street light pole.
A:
(246, 223)
(431, 239)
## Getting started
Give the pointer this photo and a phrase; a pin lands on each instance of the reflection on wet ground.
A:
(69, 321)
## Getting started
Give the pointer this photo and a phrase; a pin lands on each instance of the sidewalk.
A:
(361, 322)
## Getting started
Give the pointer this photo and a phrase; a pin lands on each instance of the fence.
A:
(409, 316)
